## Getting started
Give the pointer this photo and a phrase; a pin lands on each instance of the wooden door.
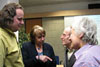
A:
(29, 23)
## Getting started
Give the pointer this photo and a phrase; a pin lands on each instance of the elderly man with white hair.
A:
(69, 53)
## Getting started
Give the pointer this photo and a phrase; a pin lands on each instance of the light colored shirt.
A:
(70, 52)
(10, 54)
(88, 56)
(68, 57)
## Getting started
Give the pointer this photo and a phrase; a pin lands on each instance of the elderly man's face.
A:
(65, 39)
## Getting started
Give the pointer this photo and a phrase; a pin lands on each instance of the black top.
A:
(71, 61)
(29, 54)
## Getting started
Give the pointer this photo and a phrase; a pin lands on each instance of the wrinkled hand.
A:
(44, 58)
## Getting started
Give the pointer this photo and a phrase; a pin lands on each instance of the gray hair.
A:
(68, 29)
(89, 28)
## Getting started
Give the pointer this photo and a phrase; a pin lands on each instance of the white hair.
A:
(68, 29)
(89, 28)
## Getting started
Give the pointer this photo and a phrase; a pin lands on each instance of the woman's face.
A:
(75, 40)
(40, 39)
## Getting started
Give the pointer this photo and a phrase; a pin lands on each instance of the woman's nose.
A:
(43, 38)
(70, 37)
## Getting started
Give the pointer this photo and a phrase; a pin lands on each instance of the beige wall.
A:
(59, 7)
(54, 28)
(3, 2)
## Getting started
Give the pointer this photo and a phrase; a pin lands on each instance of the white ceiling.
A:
(28, 3)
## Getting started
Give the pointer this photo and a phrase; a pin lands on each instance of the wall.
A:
(59, 7)
(3, 2)
(54, 28)
(69, 20)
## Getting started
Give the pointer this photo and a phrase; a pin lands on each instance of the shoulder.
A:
(95, 47)
(91, 54)
(87, 60)
(2, 33)
(94, 50)
(26, 44)
(47, 45)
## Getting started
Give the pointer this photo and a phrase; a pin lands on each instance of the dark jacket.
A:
(29, 54)
(71, 61)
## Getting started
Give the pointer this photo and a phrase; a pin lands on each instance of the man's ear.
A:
(81, 35)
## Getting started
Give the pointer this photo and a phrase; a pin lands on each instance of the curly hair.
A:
(7, 14)
(89, 28)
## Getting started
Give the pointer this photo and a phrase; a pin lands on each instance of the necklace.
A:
(38, 48)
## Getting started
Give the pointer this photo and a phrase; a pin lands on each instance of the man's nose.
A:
(61, 36)
(22, 22)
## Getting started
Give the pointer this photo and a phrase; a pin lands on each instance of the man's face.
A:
(18, 20)
(65, 39)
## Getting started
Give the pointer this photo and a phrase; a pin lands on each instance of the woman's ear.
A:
(81, 35)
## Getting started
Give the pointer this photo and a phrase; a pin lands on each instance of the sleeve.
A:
(87, 60)
(87, 64)
(2, 53)
(28, 61)
(52, 55)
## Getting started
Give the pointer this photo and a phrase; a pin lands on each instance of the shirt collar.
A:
(9, 31)
(79, 52)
